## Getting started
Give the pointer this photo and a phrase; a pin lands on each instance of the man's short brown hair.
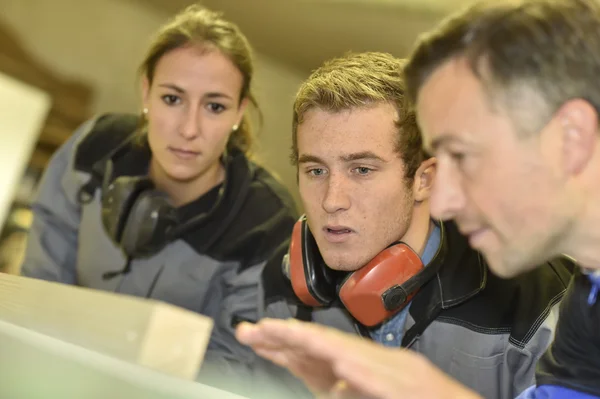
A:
(361, 80)
(530, 56)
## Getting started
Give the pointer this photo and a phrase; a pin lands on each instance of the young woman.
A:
(168, 205)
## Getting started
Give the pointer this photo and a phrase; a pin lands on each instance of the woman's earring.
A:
(145, 111)
(235, 127)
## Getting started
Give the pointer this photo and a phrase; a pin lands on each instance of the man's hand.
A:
(341, 365)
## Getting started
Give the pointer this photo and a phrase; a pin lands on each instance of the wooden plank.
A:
(149, 333)
(35, 366)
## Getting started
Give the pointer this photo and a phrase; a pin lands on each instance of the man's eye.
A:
(457, 157)
(362, 170)
(316, 172)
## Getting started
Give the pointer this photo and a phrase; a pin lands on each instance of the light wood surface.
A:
(148, 333)
(36, 366)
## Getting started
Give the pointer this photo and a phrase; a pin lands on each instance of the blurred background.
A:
(63, 61)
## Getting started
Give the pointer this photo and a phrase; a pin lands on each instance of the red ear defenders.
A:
(373, 293)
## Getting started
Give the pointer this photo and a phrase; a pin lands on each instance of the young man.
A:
(507, 99)
(365, 185)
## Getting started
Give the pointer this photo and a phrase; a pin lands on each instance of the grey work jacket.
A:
(67, 242)
(486, 332)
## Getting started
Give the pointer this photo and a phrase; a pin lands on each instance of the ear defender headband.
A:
(373, 293)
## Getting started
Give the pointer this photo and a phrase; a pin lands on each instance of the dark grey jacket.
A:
(573, 360)
(486, 332)
(213, 270)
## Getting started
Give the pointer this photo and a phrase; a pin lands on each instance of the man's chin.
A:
(508, 268)
(343, 264)
(503, 272)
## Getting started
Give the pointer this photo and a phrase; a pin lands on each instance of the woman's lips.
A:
(184, 154)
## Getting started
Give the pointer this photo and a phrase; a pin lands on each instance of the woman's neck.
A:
(184, 192)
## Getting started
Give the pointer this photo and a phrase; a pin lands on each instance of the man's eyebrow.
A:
(364, 155)
(356, 156)
(306, 158)
(441, 141)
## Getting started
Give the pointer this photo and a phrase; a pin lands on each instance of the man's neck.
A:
(585, 243)
(420, 229)
(584, 239)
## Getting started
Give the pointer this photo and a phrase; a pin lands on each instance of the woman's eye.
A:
(171, 99)
(216, 108)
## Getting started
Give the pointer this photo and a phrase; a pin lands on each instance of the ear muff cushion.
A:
(149, 219)
(117, 199)
(363, 292)
(298, 276)
(313, 282)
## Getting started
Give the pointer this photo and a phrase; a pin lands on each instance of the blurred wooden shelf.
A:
(71, 100)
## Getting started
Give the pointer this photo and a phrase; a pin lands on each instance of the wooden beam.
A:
(36, 366)
(149, 333)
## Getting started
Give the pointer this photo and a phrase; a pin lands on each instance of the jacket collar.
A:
(214, 211)
(462, 276)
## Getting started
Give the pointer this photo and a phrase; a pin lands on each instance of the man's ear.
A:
(579, 123)
(424, 178)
